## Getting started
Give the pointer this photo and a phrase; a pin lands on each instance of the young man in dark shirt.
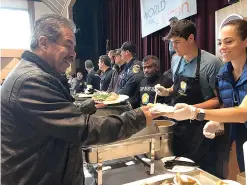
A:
(146, 90)
(93, 79)
(105, 67)
(117, 73)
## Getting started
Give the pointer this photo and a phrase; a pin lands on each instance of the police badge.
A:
(183, 87)
(145, 99)
(136, 69)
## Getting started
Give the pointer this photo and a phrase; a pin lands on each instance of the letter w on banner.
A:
(155, 14)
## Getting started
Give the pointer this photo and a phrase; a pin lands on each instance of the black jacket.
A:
(131, 79)
(43, 131)
(80, 86)
(117, 76)
(106, 79)
(93, 79)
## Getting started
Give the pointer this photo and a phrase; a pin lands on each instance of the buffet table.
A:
(125, 174)
(137, 174)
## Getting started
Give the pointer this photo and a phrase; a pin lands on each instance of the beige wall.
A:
(10, 57)
(40, 9)
(18, 4)
(220, 15)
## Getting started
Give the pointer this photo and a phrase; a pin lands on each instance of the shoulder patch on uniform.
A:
(136, 68)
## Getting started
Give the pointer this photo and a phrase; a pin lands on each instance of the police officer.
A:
(146, 92)
(133, 73)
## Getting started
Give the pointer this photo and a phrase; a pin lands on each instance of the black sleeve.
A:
(89, 79)
(132, 83)
(136, 99)
(167, 83)
(106, 82)
(110, 87)
(53, 115)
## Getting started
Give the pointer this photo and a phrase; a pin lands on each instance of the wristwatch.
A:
(201, 115)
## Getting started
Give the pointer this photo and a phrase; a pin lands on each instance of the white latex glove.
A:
(161, 91)
(210, 129)
(183, 111)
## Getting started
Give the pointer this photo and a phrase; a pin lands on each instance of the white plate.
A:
(121, 98)
(230, 182)
(181, 169)
(161, 108)
(82, 95)
(185, 177)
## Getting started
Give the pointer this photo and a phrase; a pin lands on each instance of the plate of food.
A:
(177, 168)
(82, 95)
(227, 182)
(161, 108)
(185, 180)
(109, 98)
(163, 183)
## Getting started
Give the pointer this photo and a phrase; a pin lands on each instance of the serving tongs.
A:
(171, 163)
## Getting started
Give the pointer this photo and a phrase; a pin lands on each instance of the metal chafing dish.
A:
(203, 177)
(151, 140)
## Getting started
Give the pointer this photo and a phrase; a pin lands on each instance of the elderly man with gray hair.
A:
(42, 131)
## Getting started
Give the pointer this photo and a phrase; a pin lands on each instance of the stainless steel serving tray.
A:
(125, 148)
(135, 145)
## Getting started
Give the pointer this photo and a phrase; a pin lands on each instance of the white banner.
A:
(155, 14)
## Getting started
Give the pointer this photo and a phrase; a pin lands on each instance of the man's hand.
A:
(149, 116)
(161, 91)
(182, 112)
(100, 105)
(210, 129)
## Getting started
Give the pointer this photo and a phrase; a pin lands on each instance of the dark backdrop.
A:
(124, 24)
(119, 21)
(89, 17)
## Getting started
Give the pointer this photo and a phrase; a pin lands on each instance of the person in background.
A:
(111, 55)
(194, 73)
(133, 73)
(172, 21)
(146, 91)
(105, 67)
(42, 131)
(93, 79)
(168, 74)
(79, 83)
(232, 90)
(70, 79)
(118, 73)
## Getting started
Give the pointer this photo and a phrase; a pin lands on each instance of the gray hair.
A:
(153, 58)
(50, 25)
